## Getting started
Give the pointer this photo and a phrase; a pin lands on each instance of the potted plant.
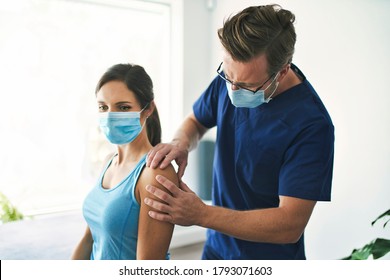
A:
(8, 212)
(377, 248)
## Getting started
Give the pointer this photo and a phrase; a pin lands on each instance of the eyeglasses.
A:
(219, 72)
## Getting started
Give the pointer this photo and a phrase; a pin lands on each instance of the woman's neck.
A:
(132, 152)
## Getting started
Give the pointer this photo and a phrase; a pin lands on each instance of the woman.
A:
(118, 223)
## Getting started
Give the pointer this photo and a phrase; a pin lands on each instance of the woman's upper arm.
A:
(154, 236)
(84, 248)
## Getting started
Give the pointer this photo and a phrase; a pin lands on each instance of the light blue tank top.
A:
(112, 216)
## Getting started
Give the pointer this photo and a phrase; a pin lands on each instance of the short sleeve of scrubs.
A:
(306, 171)
(205, 108)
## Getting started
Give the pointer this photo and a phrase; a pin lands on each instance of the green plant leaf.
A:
(387, 213)
(380, 248)
(360, 254)
(377, 248)
(8, 212)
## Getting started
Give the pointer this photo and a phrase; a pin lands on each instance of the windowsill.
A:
(185, 236)
(55, 236)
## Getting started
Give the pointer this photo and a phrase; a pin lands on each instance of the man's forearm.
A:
(271, 225)
(189, 134)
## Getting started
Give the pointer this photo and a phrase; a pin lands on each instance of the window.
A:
(52, 54)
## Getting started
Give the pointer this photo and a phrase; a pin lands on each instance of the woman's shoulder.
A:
(148, 177)
(149, 174)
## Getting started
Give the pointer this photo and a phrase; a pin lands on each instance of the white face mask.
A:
(243, 98)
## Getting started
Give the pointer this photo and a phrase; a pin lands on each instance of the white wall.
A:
(342, 47)
(197, 20)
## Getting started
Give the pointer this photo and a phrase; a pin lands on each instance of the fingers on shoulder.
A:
(168, 172)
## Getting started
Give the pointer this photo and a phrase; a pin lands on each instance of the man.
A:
(274, 146)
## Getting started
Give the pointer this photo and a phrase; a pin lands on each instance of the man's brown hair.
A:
(259, 30)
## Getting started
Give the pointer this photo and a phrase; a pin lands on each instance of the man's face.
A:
(249, 75)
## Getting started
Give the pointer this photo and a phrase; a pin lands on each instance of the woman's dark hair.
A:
(138, 81)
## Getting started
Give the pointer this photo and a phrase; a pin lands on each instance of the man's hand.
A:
(183, 207)
(162, 155)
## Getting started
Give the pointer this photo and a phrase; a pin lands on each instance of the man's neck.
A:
(289, 81)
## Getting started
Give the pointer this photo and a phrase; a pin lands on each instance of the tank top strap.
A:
(131, 181)
(140, 165)
(106, 166)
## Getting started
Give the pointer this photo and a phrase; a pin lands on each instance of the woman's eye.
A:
(124, 108)
(103, 108)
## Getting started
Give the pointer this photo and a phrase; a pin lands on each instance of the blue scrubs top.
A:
(282, 148)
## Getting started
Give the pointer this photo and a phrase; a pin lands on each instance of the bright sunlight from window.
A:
(52, 54)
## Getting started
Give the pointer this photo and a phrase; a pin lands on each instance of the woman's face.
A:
(114, 96)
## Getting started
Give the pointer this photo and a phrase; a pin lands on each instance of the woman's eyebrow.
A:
(124, 102)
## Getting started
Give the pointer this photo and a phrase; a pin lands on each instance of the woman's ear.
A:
(150, 109)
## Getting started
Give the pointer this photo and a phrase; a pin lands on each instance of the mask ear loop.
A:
(147, 104)
(146, 116)
(269, 98)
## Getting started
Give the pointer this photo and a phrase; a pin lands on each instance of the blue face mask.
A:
(121, 127)
(243, 98)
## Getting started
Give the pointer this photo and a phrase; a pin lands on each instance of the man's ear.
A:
(284, 72)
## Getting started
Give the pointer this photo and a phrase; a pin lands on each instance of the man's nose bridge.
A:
(234, 87)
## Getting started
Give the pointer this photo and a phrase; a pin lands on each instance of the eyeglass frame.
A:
(219, 72)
